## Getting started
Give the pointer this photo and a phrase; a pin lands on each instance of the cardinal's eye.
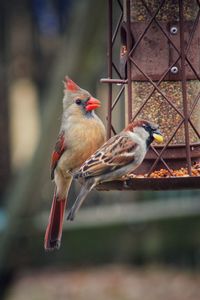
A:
(78, 101)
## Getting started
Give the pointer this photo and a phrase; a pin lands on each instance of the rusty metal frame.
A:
(182, 57)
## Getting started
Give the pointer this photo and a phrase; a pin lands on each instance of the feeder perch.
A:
(154, 55)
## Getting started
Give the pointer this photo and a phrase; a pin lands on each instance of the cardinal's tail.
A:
(54, 228)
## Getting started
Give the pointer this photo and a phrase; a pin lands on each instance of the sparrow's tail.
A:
(85, 189)
(54, 228)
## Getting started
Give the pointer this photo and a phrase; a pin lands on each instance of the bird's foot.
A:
(71, 215)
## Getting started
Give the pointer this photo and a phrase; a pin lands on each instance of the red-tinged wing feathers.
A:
(117, 152)
(57, 153)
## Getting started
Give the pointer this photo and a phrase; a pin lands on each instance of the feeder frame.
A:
(172, 36)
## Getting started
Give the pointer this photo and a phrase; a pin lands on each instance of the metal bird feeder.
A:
(157, 67)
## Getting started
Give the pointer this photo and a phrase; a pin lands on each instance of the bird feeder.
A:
(154, 56)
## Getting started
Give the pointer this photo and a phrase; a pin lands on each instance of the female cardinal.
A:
(81, 134)
(119, 156)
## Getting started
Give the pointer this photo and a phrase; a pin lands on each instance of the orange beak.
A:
(92, 103)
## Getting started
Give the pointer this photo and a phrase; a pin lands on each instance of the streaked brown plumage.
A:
(119, 156)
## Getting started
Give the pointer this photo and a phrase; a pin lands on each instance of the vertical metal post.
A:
(184, 89)
(109, 55)
(129, 87)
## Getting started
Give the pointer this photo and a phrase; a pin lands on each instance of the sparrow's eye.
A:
(146, 127)
(78, 101)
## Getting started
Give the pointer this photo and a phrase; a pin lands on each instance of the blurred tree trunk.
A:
(4, 121)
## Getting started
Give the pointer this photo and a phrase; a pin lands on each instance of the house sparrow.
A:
(119, 156)
(81, 134)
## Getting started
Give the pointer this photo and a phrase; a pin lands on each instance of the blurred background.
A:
(123, 245)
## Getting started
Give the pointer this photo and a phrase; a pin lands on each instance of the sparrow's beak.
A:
(92, 103)
(158, 137)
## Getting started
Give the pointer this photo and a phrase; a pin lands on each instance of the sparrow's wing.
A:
(115, 153)
(57, 153)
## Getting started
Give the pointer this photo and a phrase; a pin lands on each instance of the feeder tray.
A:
(164, 179)
(156, 184)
